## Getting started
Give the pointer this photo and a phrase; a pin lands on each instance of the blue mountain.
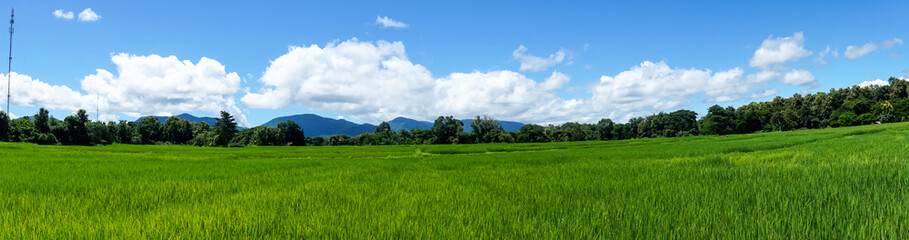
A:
(315, 125)
(189, 117)
(507, 125)
(406, 123)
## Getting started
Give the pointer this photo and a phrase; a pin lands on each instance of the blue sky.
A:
(530, 61)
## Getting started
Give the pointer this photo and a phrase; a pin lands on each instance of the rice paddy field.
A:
(829, 183)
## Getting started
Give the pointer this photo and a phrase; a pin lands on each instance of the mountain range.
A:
(315, 125)
(210, 120)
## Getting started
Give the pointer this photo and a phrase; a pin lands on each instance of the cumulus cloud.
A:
(387, 22)
(774, 51)
(656, 86)
(59, 13)
(155, 85)
(798, 78)
(555, 81)
(377, 82)
(763, 76)
(497, 93)
(534, 63)
(876, 82)
(853, 52)
(28, 91)
(361, 79)
(764, 93)
(88, 15)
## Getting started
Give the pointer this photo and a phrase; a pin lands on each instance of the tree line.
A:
(839, 107)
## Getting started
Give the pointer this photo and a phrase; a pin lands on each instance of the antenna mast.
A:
(10, 67)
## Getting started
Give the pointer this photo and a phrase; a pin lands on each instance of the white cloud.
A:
(792, 77)
(655, 86)
(555, 81)
(387, 22)
(534, 63)
(891, 43)
(763, 76)
(877, 82)
(376, 82)
(820, 57)
(59, 13)
(853, 52)
(498, 93)
(28, 91)
(726, 82)
(88, 15)
(724, 99)
(774, 51)
(764, 93)
(358, 79)
(798, 78)
(155, 85)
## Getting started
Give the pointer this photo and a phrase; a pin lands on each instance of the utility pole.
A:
(10, 67)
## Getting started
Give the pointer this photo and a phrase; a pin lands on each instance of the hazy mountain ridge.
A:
(315, 125)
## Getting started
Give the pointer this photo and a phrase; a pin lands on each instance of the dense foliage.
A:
(838, 107)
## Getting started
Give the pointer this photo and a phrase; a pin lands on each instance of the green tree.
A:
(22, 130)
(383, 127)
(41, 121)
(98, 133)
(446, 130)
(847, 119)
(77, 132)
(421, 136)
(293, 133)
(719, 120)
(486, 129)
(316, 141)
(226, 127)
(573, 131)
(604, 129)
(126, 133)
(268, 136)
(177, 131)
(149, 130)
(4, 126)
(200, 128)
(342, 139)
(531, 133)
(204, 139)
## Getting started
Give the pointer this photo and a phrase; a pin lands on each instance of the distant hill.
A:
(406, 123)
(507, 125)
(189, 117)
(315, 125)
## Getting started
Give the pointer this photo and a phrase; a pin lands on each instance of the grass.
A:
(829, 183)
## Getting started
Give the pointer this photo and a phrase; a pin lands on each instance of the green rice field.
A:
(831, 183)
